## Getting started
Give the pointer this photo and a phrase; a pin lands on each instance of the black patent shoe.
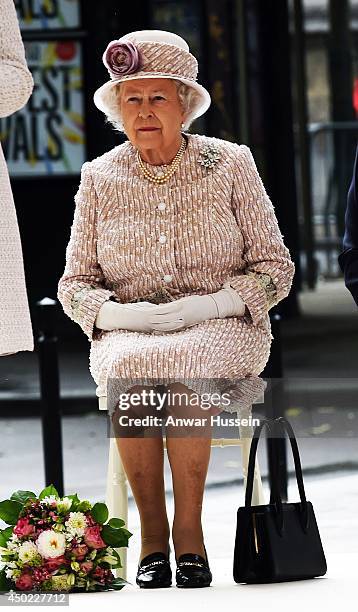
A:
(154, 571)
(193, 571)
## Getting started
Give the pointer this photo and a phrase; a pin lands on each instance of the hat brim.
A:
(100, 94)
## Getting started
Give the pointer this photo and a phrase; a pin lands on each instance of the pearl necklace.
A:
(159, 179)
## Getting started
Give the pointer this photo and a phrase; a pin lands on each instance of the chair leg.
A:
(246, 434)
(117, 497)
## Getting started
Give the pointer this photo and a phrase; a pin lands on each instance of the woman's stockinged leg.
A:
(143, 462)
(189, 459)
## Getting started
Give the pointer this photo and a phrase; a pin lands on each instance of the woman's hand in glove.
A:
(185, 312)
(134, 317)
(194, 309)
(182, 313)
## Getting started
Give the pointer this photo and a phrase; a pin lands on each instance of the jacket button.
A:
(161, 206)
(167, 278)
(162, 238)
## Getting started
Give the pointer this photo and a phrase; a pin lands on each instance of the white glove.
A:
(229, 302)
(134, 317)
(194, 309)
(185, 312)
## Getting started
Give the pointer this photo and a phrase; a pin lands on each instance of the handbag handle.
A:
(275, 497)
(287, 428)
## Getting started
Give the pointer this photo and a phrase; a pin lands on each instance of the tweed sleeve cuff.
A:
(85, 304)
(253, 295)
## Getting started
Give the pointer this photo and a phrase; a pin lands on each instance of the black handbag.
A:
(278, 541)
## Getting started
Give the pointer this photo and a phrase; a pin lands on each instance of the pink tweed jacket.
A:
(211, 223)
(16, 84)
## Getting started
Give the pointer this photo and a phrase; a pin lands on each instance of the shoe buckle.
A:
(191, 563)
(153, 563)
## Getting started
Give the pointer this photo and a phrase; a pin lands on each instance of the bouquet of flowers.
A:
(59, 544)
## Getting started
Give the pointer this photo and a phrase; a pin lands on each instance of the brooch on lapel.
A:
(209, 155)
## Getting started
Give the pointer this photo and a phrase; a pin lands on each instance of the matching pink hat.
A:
(149, 54)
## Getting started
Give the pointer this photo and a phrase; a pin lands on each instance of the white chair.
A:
(117, 484)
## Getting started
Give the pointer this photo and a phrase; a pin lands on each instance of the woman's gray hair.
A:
(187, 95)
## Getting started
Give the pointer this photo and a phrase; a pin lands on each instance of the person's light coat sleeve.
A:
(16, 81)
(80, 288)
(268, 273)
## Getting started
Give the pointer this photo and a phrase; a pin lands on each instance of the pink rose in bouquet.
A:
(86, 566)
(56, 562)
(80, 551)
(24, 582)
(93, 538)
(24, 528)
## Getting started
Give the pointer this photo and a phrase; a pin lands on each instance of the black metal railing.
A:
(47, 349)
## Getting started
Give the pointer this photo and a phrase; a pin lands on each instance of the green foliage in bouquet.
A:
(58, 543)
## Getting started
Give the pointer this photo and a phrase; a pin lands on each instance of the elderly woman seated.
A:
(174, 260)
